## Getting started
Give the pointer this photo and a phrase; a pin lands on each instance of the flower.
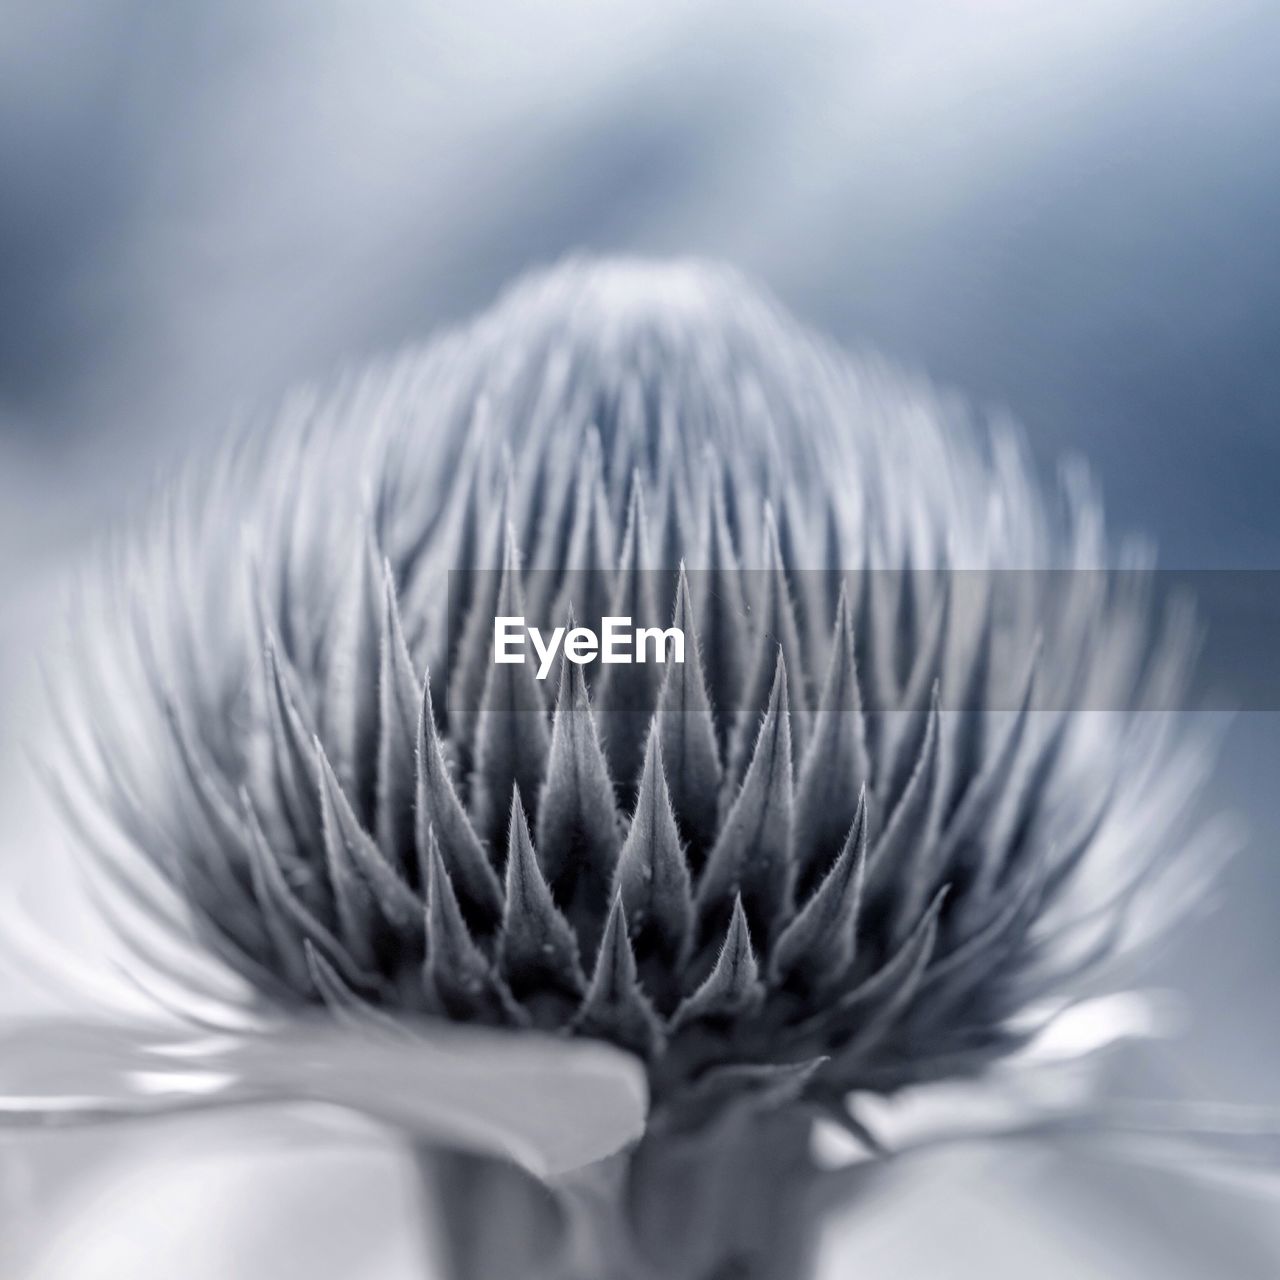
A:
(811, 862)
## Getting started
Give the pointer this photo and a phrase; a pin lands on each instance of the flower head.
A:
(788, 868)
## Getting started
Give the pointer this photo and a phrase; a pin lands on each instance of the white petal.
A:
(550, 1105)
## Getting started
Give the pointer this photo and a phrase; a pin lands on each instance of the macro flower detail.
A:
(819, 859)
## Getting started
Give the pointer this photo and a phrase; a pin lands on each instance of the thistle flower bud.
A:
(786, 870)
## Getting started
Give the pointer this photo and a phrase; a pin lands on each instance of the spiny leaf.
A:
(653, 881)
(906, 624)
(615, 1007)
(975, 843)
(578, 836)
(456, 972)
(732, 990)
(778, 513)
(380, 916)
(537, 950)
(630, 421)
(588, 571)
(817, 948)
(399, 699)
(902, 867)
(549, 553)
(672, 548)
(1033, 792)
(775, 633)
(511, 731)
(273, 887)
(348, 1006)
(439, 814)
(472, 661)
(903, 749)
(868, 663)
(967, 964)
(217, 832)
(628, 692)
(689, 738)
(835, 766)
(865, 1015)
(752, 856)
(968, 740)
(675, 542)
(471, 499)
(354, 691)
(820, 580)
(289, 750)
(281, 924)
(722, 614)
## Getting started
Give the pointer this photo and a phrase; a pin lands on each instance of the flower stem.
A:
(735, 1202)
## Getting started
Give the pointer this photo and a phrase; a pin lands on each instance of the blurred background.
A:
(1067, 213)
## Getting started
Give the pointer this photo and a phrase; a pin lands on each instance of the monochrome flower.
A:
(861, 840)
